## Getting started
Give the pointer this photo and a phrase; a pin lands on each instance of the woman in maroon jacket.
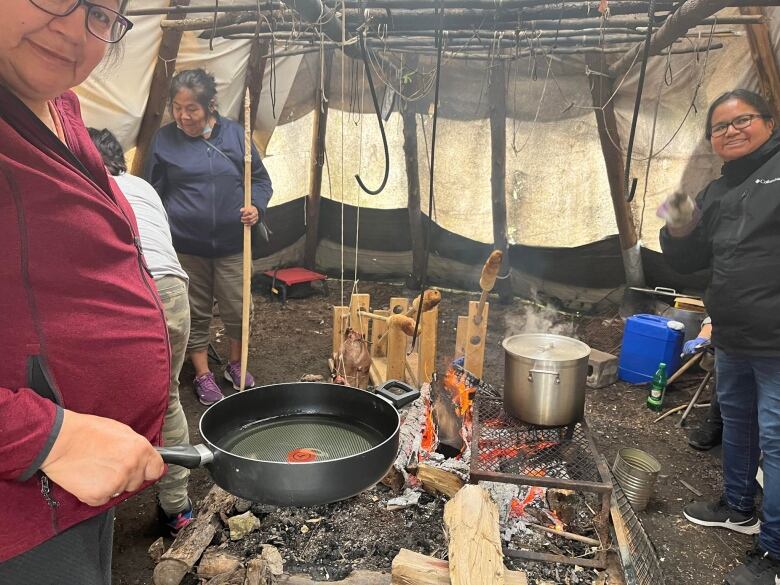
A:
(84, 374)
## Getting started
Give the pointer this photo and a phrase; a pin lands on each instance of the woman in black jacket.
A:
(196, 165)
(733, 228)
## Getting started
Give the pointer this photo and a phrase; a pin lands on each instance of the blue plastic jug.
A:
(648, 341)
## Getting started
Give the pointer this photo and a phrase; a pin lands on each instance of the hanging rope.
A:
(364, 54)
(424, 276)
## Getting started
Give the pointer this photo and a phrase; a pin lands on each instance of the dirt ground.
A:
(290, 341)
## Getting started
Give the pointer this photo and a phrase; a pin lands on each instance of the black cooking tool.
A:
(295, 444)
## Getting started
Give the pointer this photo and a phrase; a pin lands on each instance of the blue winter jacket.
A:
(203, 191)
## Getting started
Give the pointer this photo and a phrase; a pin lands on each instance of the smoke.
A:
(538, 318)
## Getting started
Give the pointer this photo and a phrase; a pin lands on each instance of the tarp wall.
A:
(557, 193)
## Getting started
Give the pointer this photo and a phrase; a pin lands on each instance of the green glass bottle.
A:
(655, 399)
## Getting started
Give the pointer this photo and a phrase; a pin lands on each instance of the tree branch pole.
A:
(164, 69)
(690, 14)
(497, 107)
(246, 297)
(319, 130)
(601, 90)
(764, 59)
(411, 157)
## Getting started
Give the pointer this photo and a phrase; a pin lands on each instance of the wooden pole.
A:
(247, 269)
(255, 70)
(164, 69)
(764, 59)
(690, 14)
(601, 90)
(497, 101)
(416, 231)
(319, 132)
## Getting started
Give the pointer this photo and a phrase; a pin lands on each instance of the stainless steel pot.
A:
(544, 379)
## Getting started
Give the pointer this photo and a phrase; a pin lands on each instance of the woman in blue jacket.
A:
(196, 165)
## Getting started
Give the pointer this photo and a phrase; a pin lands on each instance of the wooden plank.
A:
(427, 346)
(378, 372)
(316, 164)
(475, 554)
(399, 305)
(460, 336)
(396, 354)
(359, 302)
(339, 325)
(164, 69)
(475, 339)
(764, 58)
(412, 568)
(378, 328)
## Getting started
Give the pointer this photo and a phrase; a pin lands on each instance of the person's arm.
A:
(155, 168)
(684, 242)
(93, 458)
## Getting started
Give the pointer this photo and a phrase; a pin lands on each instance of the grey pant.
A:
(80, 555)
(213, 278)
(172, 487)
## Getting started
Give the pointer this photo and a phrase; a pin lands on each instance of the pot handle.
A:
(189, 456)
(398, 399)
(556, 374)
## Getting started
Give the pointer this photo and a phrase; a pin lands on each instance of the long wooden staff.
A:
(247, 274)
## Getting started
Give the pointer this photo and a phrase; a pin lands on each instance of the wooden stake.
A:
(247, 271)
(475, 339)
(475, 554)
(764, 58)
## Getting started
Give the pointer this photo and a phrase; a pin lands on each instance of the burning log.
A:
(471, 521)
(189, 545)
(409, 437)
(411, 568)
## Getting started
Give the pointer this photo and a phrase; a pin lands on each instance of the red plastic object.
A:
(293, 276)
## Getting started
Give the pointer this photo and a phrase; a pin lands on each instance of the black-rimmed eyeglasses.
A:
(106, 24)
(739, 123)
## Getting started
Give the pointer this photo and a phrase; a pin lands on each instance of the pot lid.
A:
(546, 346)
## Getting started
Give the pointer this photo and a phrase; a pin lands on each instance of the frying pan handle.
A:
(397, 399)
(189, 456)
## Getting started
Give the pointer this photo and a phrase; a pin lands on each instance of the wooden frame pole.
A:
(158, 92)
(319, 133)
(247, 268)
(764, 58)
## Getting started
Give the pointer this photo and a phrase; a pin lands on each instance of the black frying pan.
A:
(297, 444)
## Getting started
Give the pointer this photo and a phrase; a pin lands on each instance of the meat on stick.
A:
(488, 280)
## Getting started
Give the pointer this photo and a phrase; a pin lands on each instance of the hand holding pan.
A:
(297, 444)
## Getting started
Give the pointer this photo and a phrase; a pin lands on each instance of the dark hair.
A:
(743, 95)
(110, 149)
(199, 82)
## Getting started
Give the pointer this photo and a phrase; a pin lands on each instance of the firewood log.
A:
(216, 561)
(189, 545)
(411, 568)
(471, 521)
(438, 480)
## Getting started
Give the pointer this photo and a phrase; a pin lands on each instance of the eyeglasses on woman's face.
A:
(102, 22)
(739, 123)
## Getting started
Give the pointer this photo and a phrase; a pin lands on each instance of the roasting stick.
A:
(488, 280)
(247, 273)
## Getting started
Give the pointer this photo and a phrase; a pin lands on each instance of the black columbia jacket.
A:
(739, 238)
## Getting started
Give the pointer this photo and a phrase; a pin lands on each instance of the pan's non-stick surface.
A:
(302, 438)
(300, 444)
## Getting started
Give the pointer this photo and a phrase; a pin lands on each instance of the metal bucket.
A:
(636, 472)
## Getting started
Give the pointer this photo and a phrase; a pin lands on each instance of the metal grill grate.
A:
(528, 454)
(637, 554)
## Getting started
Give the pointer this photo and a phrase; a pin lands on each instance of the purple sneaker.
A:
(233, 375)
(207, 389)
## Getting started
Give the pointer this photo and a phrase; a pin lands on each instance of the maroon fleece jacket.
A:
(79, 315)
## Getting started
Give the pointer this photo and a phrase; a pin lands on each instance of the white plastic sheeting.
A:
(557, 191)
